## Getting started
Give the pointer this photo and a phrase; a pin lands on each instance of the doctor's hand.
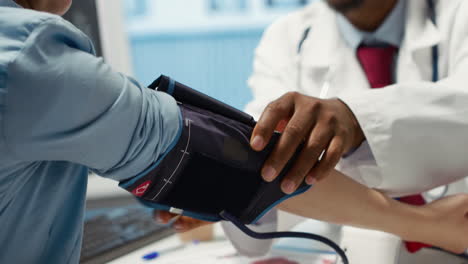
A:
(324, 126)
(182, 224)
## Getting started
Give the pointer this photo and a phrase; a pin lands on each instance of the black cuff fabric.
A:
(212, 167)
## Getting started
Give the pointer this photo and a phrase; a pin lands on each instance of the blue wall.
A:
(216, 63)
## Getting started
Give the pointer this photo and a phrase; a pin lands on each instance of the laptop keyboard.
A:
(113, 232)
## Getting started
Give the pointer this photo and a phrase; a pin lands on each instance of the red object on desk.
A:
(417, 200)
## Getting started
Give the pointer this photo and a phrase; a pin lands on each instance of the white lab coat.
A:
(416, 130)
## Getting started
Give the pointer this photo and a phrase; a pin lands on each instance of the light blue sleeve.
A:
(64, 104)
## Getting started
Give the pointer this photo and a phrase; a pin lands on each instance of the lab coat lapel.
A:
(415, 59)
(325, 50)
(318, 51)
(326, 53)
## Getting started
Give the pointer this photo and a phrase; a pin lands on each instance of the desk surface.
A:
(221, 251)
(218, 251)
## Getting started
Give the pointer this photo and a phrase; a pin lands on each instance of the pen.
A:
(326, 84)
(324, 93)
(156, 254)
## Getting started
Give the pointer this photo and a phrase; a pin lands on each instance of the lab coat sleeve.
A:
(418, 132)
(274, 72)
(64, 104)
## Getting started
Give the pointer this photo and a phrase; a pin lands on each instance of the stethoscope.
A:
(328, 76)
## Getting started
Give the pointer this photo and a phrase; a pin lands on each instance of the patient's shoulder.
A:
(22, 27)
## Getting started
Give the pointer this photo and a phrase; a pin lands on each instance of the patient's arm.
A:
(341, 200)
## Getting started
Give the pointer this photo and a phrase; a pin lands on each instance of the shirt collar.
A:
(390, 32)
(8, 3)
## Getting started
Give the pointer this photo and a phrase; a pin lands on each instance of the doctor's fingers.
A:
(328, 161)
(273, 115)
(314, 146)
(296, 130)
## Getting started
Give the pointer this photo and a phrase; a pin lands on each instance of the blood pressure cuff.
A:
(211, 167)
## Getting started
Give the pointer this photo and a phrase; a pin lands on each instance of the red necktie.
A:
(377, 63)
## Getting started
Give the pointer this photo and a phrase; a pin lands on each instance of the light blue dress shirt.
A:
(391, 32)
(62, 111)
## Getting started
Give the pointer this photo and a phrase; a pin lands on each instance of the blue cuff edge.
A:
(171, 87)
(299, 191)
(169, 149)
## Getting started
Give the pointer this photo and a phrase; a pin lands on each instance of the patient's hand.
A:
(448, 223)
(183, 224)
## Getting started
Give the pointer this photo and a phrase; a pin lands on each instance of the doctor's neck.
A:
(366, 15)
